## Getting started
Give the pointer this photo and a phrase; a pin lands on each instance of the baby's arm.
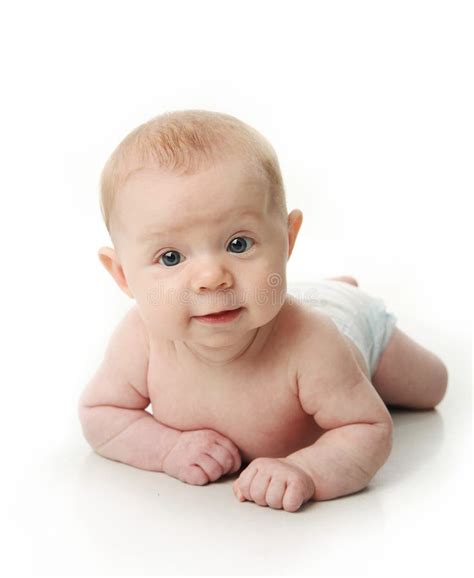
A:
(112, 406)
(116, 425)
(332, 388)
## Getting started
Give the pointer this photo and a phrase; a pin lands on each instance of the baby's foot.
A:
(346, 279)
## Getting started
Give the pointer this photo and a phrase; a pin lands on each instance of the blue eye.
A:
(239, 244)
(170, 258)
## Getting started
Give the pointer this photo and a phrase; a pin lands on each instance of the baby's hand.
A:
(274, 482)
(200, 456)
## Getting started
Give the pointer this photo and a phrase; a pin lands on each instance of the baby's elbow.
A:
(91, 427)
(384, 439)
(85, 423)
(440, 384)
(81, 408)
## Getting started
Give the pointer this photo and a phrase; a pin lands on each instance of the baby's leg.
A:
(408, 375)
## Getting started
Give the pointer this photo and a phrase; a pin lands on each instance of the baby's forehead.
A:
(200, 221)
(221, 174)
(158, 200)
(225, 187)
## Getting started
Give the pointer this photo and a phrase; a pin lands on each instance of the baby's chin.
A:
(216, 342)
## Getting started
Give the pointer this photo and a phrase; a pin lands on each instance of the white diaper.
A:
(360, 316)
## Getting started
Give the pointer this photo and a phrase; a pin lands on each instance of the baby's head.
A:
(195, 206)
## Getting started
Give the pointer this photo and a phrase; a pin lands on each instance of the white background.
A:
(369, 108)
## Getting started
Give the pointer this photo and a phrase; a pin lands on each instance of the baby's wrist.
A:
(167, 445)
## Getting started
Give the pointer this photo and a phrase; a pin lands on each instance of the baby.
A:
(235, 368)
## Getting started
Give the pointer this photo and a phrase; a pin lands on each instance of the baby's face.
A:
(193, 245)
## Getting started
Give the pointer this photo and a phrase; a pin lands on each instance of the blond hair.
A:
(180, 141)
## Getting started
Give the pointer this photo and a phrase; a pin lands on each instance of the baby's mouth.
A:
(220, 316)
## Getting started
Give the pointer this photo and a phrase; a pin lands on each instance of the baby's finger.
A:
(211, 467)
(275, 492)
(237, 492)
(258, 487)
(245, 480)
(194, 475)
(293, 498)
(232, 448)
(223, 456)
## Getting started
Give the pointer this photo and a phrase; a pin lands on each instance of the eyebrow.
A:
(151, 234)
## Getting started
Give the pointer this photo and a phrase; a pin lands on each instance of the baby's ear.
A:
(295, 218)
(109, 260)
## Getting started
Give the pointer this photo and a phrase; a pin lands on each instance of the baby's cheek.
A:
(158, 309)
(155, 293)
(271, 288)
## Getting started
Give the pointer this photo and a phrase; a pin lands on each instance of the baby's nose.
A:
(212, 277)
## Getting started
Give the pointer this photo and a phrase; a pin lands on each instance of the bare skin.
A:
(278, 388)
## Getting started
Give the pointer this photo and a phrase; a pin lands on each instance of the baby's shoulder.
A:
(301, 321)
(309, 333)
(129, 347)
(133, 321)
